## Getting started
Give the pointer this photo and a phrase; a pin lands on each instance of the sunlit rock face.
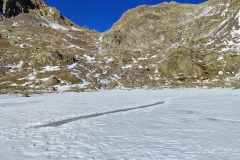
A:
(177, 44)
(165, 45)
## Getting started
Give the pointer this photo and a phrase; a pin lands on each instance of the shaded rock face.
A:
(36, 8)
(11, 8)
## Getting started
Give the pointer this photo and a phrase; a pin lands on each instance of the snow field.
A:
(202, 124)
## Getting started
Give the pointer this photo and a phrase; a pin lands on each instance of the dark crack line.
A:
(62, 122)
(221, 120)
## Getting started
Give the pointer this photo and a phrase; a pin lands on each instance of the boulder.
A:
(25, 94)
(55, 55)
(51, 82)
(52, 58)
(111, 85)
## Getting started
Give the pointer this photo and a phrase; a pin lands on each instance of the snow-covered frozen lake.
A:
(191, 124)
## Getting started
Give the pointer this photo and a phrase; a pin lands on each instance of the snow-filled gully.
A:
(62, 122)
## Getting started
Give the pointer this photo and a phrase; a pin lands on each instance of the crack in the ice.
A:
(221, 120)
(62, 122)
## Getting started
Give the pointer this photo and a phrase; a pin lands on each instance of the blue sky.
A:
(101, 14)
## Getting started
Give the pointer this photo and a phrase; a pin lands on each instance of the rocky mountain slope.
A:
(165, 45)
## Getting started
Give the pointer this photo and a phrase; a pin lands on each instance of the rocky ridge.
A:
(172, 44)
(165, 45)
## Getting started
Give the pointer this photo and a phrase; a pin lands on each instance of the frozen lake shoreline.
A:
(190, 124)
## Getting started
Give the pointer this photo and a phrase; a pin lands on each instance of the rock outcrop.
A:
(11, 8)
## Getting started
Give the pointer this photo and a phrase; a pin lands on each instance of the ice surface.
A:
(197, 124)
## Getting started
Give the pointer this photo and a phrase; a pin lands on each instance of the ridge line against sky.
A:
(101, 15)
